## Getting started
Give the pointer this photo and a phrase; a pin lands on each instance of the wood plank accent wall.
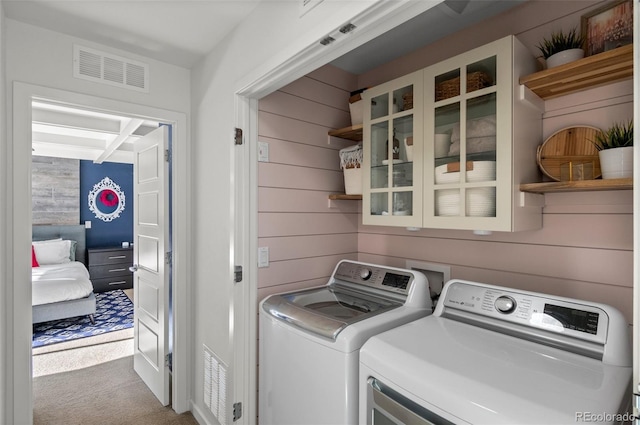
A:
(55, 190)
(306, 235)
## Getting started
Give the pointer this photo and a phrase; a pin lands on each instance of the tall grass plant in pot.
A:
(562, 47)
(615, 150)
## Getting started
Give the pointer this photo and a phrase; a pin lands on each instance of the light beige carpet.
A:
(82, 353)
(107, 394)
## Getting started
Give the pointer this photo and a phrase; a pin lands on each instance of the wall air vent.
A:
(215, 385)
(94, 65)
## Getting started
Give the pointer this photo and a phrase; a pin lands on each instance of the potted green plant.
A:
(562, 47)
(615, 150)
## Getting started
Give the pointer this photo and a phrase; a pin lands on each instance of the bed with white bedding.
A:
(61, 287)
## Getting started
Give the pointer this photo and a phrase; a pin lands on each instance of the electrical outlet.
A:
(263, 152)
(87, 224)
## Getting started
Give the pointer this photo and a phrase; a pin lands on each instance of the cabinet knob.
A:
(133, 268)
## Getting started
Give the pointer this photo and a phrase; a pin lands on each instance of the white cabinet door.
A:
(392, 152)
(480, 141)
(468, 140)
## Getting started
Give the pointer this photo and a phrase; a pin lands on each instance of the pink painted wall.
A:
(306, 238)
(584, 250)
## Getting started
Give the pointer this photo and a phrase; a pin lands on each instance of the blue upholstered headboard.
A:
(71, 232)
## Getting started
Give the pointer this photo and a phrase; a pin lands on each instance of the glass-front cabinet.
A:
(454, 157)
(469, 104)
(392, 152)
(480, 140)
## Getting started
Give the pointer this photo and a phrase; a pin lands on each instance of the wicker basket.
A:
(407, 101)
(450, 88)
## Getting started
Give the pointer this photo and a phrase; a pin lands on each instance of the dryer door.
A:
(388, 407)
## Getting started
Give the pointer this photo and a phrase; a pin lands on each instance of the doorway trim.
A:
(372, 22)
(18, 302)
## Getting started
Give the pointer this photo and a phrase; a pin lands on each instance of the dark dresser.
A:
(109, 268)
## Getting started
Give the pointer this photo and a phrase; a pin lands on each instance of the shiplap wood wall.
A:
(55, 190)
(584, 250)
(305, 235)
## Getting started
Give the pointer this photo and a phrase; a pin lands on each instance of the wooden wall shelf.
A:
(353, 132)
(603, 68)
(343, 197)
(578, 186)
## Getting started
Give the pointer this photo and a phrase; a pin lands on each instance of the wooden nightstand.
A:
(109, 268)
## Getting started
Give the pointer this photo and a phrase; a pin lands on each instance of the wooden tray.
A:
(571, 144)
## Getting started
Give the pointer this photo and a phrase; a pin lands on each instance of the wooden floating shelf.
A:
(353, 132)
(592, 71)
(578, 186)
(343, 197)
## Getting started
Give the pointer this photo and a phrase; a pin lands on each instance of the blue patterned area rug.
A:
(114, 312)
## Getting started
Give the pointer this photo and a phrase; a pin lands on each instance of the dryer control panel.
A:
(521, 310)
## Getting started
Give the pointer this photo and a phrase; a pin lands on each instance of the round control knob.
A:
(365, 274)
(505, 304)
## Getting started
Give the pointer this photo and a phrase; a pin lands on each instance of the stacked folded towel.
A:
(481, 136)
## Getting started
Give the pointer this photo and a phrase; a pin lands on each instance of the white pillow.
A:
(52, 251)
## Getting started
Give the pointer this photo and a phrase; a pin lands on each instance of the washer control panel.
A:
(560, 315)
(391, 280)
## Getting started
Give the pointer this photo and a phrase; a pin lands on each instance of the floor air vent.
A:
(94, 65)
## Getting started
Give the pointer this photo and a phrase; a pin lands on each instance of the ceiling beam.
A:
(81, 153)
(128, 127)
(76, 121)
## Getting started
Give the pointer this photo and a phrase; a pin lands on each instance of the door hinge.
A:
(167, 155)
(238, 136)
(237, 411)
(168, 360)
(168, 257)
(237, 274)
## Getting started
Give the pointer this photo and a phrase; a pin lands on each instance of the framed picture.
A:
(608, 27)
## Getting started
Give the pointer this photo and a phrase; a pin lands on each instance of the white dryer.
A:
(494, 355)
(310, 340)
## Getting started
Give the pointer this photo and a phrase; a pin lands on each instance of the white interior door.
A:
(151, 279)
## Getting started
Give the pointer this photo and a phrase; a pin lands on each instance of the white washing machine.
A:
(494, 355)
(310, 340)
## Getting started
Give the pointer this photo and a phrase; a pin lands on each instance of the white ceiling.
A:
(179, 32)
(182, 32)
(436, 23)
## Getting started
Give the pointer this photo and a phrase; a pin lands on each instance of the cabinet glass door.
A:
(464, 141)
(389, 148)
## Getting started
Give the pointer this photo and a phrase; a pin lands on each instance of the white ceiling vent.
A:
(97, 66)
